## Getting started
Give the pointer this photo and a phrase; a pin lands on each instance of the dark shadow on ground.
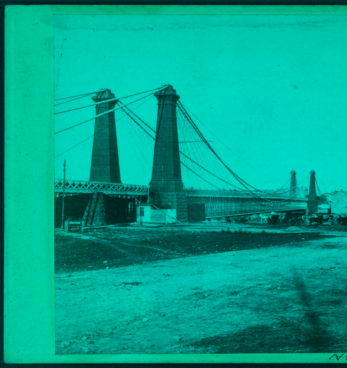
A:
(314, 328)
(308, 333)
(285, 337)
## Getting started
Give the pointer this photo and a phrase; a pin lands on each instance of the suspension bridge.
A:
(177, 139)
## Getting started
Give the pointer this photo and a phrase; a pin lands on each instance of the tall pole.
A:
(63, 202)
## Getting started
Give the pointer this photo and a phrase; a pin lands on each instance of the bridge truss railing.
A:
(242, 194)
(82, 186)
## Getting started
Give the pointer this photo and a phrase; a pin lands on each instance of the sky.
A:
(268, 91)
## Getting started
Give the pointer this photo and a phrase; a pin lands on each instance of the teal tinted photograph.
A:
(200, 183)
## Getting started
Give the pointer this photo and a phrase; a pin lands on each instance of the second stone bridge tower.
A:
(105, 161)
(166, 186)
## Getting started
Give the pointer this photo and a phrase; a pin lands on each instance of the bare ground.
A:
(200, 290)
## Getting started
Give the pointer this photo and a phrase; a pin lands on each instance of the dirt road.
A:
(289, 297)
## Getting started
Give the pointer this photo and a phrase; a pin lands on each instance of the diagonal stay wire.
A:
(98, 115)
(138, 124)
(196, 163)
(218, 139)
(223, 180)
(246, 185)
(90, 136)
(208, 171)
(186, 156)
(187, 152)
(83, 141)
(153, 137)
(74, 99)
(86, 106)
(81, 94)
(203, 168)
(318, 190)
(190, 120)
(136, 116)
(198, 175)
(240, 180)
(85, 121)
(110, 100)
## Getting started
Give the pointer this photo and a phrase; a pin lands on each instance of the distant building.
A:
(324, 208)
(338, 202)
(147, 214)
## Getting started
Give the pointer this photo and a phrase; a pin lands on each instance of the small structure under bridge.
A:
(104, 199)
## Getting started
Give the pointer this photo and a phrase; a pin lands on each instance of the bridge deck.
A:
(83, 186)
(241, 194)
(222, 203)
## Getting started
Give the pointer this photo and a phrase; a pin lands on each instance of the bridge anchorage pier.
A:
(166, 186)
(105, 159)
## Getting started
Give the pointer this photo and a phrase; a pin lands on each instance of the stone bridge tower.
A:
(293, 190)
(312, 201)
(166, 186)
(105, 160)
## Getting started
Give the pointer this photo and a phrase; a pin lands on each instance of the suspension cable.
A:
(136, 116)
(198, 175)
(85, 121)
(182, 153)
(75, 98)
(83, 141)
(153, 137)
(138, 124)
(208, 171)
(81, 94)
(110, 100)
(189, 119)
(98, 115)
(319, 192)
(217, 138)
(92, 135)
(246, 185)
